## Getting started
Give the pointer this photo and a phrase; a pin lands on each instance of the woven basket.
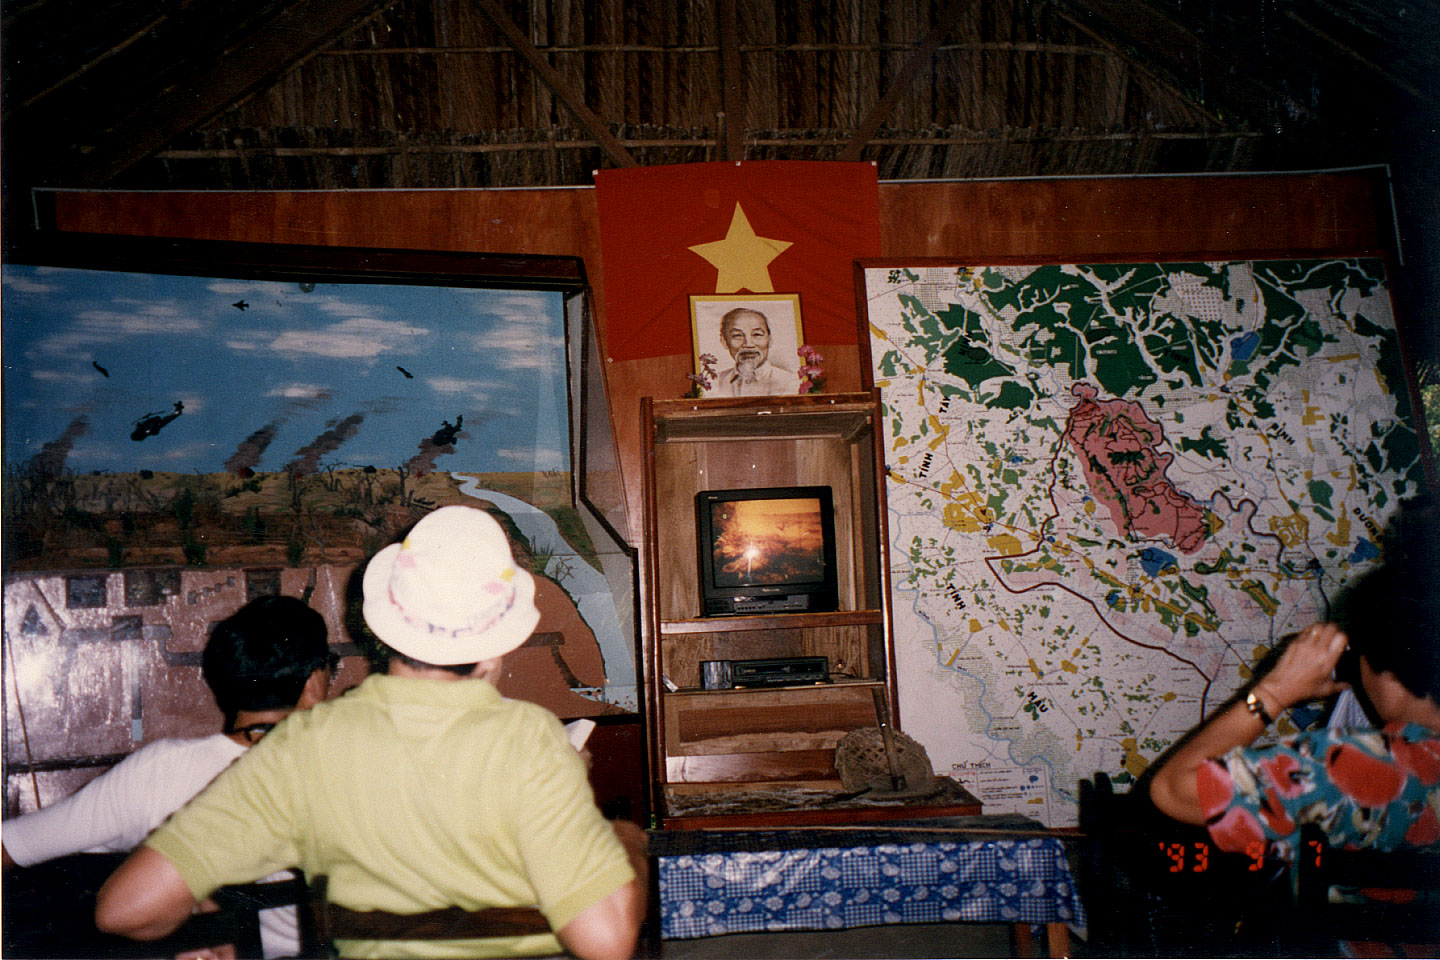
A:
(863, 764)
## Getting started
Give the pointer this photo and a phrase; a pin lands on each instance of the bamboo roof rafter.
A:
(328, 94)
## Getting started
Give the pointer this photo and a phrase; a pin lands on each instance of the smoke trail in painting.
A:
(252, 448)
(50, 461)
(424, 461)
(307, 458)
(440, 442)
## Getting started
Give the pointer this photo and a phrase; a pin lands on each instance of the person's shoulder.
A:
(528, 722)
(171, 749)
(175, 763)
(344, 709)
(523, 710)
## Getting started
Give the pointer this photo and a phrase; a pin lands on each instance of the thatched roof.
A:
(445, 93)
(316, 94)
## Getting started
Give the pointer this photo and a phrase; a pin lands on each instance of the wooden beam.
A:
(245, 68)
(86, 67)
(1360, 58)
(978, 138)
(707, 49)
(917, 62)
(613, 148)
(732, 79)
(1143, 35)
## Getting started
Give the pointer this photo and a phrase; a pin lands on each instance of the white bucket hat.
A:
(450, 592)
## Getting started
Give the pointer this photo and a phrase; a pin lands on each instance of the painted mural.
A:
(202, 420)
(205, 424)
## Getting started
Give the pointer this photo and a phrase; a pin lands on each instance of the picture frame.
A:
(299, 343)
(715, 364)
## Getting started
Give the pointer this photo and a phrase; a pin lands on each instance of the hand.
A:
(1306, 668)
(223, 952)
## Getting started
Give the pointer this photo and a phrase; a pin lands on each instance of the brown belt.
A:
(334, 922)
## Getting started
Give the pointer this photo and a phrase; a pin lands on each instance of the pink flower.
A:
(703, 380)
(812, 375)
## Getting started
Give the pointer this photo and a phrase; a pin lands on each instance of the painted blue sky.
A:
(301, 374)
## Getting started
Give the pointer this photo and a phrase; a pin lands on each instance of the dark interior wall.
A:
(1075, 219)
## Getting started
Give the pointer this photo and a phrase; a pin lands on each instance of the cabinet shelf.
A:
(832, 683)
(776, 621)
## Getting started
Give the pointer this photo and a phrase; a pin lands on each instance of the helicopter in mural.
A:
(448, 432)
(152, 423)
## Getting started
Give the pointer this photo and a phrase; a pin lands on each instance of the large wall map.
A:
(1112, 488)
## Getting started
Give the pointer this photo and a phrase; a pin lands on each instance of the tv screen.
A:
(766, 550)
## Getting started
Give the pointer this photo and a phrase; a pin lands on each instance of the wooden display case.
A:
(714, 745)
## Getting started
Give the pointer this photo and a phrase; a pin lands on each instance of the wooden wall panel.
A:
(1135, 217)
(558, 222)
(1072, 218)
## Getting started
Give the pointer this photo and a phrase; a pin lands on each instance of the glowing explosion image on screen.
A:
(768, 542)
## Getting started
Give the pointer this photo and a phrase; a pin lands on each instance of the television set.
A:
(766, 550)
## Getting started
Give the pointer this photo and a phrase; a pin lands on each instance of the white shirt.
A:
(770, 381)
(116, 811)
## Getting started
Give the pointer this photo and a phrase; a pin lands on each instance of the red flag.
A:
(763, 226)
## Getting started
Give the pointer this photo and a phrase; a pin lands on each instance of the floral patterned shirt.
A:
(1363, 788)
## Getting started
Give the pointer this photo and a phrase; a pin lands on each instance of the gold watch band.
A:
(1255, 705)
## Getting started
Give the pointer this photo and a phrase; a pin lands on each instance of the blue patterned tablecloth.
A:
(831, 888)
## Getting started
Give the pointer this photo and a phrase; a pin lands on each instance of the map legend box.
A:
(1007, 789)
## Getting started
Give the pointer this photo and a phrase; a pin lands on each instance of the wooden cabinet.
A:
(714, 745)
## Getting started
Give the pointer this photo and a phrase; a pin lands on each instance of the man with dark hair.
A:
(1391, 614)
(421, 789)
(1363, 787)
(265, 661)
(746, 334)
(260, 660)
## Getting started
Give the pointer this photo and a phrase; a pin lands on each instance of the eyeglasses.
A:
(331, 666)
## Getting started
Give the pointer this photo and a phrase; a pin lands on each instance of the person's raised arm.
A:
(1303, 672)
(144, 899)
(610, 929)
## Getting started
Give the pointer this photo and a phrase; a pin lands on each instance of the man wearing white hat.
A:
(421, 789)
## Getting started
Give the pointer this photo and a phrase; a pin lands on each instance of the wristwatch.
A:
(1255, 705)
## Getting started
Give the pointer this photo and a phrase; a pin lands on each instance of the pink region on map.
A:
(1118, 445)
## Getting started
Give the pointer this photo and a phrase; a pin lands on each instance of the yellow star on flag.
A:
(742, 259)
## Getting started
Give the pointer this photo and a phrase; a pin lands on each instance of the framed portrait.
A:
(746, 344)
